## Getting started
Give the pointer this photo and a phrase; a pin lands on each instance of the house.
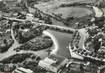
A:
(53, 63)
(22, 70)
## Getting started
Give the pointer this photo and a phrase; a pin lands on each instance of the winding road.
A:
(11, 51)
(84, 35)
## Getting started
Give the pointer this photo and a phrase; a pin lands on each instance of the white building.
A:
(22, 70)
(53, 63)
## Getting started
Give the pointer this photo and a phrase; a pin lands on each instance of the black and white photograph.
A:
(52, 36)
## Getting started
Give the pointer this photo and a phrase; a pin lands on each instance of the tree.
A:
(100, 3)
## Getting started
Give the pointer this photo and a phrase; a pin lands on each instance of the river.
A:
(61, 41)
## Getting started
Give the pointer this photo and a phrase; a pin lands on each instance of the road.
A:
(10, 52)
(83, 34)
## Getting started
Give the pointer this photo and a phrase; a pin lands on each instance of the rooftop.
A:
(55, 60)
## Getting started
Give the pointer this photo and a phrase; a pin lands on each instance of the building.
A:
(53, 63)
(22, 70)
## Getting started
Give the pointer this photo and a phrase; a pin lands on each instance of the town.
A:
(52, 36)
